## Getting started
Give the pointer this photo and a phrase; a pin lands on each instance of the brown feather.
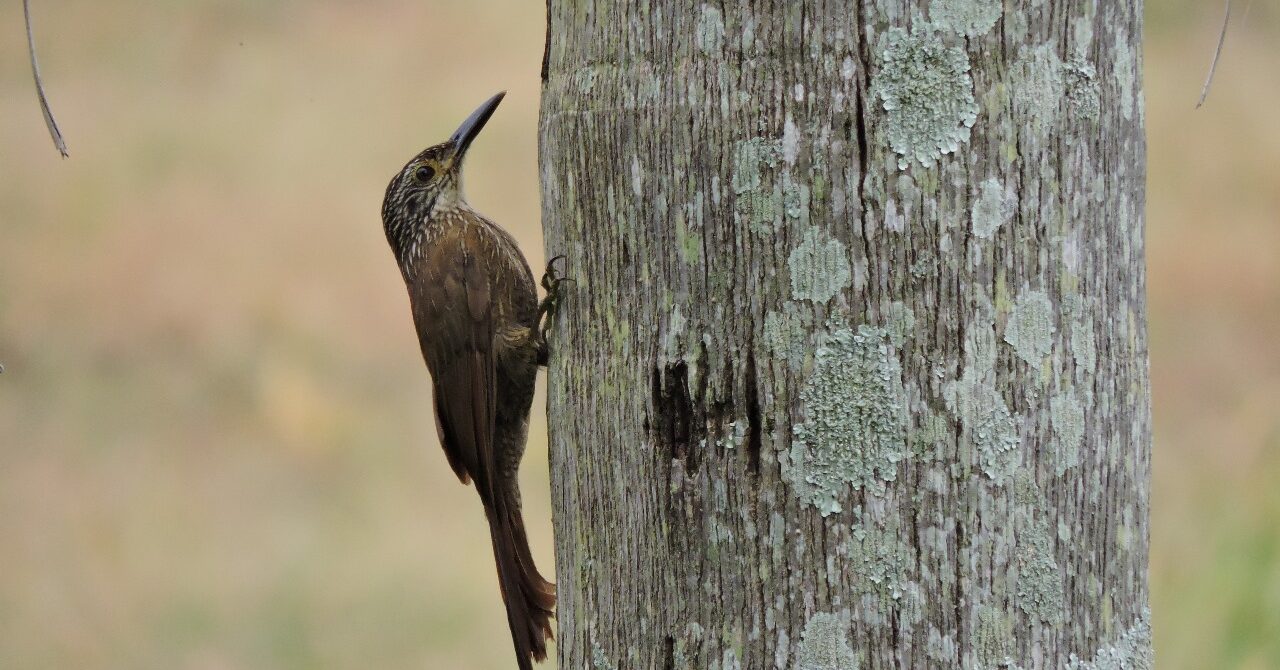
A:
(474, 306)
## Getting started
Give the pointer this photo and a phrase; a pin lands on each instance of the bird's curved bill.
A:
(467, 132)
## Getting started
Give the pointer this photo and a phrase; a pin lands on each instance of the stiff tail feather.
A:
(530, 600)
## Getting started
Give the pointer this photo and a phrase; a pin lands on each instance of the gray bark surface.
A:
(854, 373)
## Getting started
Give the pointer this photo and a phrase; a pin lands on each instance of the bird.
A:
(483, 335)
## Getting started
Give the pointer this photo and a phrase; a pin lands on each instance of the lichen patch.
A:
(1132, 651)
(790, 141)
(992, 637)
(926, 94)
(991, 209)
(757, 200)
(1039, 593)
(748, 159)
(970, 18)
(637, 177)
(1083, 95)
(1083, 346)
(1030, 328)
(1067, 417)
(1039, 88)
(989, 427)
(710, 29)
(600, 660)
(674, 335)
(899, 322)
(854, 429)
(880, 559)
(819, 267)
(786, 334)
(824, 644)
(1125, 65)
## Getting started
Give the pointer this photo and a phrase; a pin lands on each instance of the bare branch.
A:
(35, 73)
(1213, 66)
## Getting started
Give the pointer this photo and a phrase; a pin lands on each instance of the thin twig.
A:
(1213, 66)
(35, 73)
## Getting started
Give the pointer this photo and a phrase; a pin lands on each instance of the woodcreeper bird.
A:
(483, 334)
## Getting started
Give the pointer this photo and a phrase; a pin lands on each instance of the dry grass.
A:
(214, 445)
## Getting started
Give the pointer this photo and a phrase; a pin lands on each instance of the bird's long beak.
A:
(467, 132)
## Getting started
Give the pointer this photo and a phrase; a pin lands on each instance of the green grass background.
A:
(215, 448)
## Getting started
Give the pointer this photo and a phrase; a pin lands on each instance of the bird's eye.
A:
(425, 173)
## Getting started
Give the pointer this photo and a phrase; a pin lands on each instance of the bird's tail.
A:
(529, 598)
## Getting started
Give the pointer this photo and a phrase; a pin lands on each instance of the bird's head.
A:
(431, 182)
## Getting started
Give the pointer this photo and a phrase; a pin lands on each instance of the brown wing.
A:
(453, 312)
(454, 307)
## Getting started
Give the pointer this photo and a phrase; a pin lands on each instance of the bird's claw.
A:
(553, 283)
(550, 276)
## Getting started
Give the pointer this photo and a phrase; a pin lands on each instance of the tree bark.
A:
(854, 373)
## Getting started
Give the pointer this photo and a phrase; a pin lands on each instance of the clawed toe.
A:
(551, 278)
(553, 284)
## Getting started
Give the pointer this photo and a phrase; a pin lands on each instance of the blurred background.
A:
(215, 444)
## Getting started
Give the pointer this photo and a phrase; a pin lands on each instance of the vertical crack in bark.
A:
(754, 438)
(673, 411)
(860, 123)
(669, 654)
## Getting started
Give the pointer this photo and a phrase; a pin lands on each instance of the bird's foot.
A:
(553, 284)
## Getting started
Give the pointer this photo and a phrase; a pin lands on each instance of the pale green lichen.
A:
(585, 80)
(795, 200)
(854, 428)
(710, 29)
(790, 141)
(824, 644)
(880, 559)
(1039, 86)
(927, 96)
(680, 655)
(924, 268)
(757, 202)
(1083, 345)
(1030, 328)
(675, 334)
(1125, 63)
(992, 637)
(1082, 27)
(599, 660)
(689, 241)
(749, 158)
(1082, 88)
(786, 334)
(899, 322)
(931, 439)
(1039, 592)
(989, 428)
(991, 209)
(1027, 493)
(941, 649)
(1132, 651)
(734, 436)
(970, 18)
(819, 267)
(637, 177)
(1067, 416)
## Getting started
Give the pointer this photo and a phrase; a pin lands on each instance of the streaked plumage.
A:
(476, 311)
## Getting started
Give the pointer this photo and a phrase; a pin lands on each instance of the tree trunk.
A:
(854, 373)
